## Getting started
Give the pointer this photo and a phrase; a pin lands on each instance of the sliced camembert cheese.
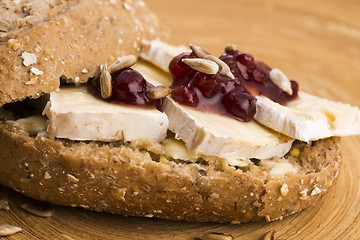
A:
(211, 134)
(309, 117)
(152, 74)
(76, 114)
(160, 53)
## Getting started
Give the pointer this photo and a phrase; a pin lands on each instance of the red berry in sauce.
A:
(244, 71)
(231, 62)
(294, 86)
(209, 85)
(179, 70)
(185, 95)
(259, 75)
(239, 103)
(246, 60)
(129, 87)
(227, 84)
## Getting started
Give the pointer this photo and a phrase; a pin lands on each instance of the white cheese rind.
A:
(309, 118)
(160, 53)
(211, 134)
(77, 115)
(151, 74)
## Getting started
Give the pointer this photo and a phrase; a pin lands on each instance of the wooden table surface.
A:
(316, 43)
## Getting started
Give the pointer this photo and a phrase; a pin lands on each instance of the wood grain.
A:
(316, 43)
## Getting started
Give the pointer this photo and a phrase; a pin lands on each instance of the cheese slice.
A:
(77, 115)
(160, 53)
(309, 117)
(211, 134)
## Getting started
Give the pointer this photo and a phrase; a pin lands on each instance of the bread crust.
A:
(69, 38)
(132, 181)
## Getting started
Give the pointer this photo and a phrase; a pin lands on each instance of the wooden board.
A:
(314, 42)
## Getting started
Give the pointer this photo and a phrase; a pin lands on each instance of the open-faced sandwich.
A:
(181, 134)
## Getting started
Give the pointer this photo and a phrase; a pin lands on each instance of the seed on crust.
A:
(230, 47)
(119, 193)
(304, 192)
(13, 43)
(33, 80)
(284, 189)
(122, 62)
(202, 65)
(158, 92)
(295, 152)
(315, 191)
(72, 178)
(217, 236)
(47, 176)
(38, 209)
(7, 230)
(105, 82)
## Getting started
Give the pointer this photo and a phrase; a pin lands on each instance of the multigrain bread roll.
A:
(43, 40)
(138, 179)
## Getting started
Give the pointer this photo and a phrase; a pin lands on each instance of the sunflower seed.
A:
(105, 82)
(122, 62)
(202, 65)
(217, 236)
(224, 68)
(202, 53)
(280, 80)
(7, 230)
(158, 92)
(199, 52)
(230, 47)
(38, 209)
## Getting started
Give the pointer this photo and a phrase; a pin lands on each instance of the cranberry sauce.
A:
(128, 87)
(254, 76)
(221, 94)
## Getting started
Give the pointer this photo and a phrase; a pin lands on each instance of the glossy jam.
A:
(221, 94)
(254, 76)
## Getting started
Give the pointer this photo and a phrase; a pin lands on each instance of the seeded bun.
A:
(43, 40)
(137, 179)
